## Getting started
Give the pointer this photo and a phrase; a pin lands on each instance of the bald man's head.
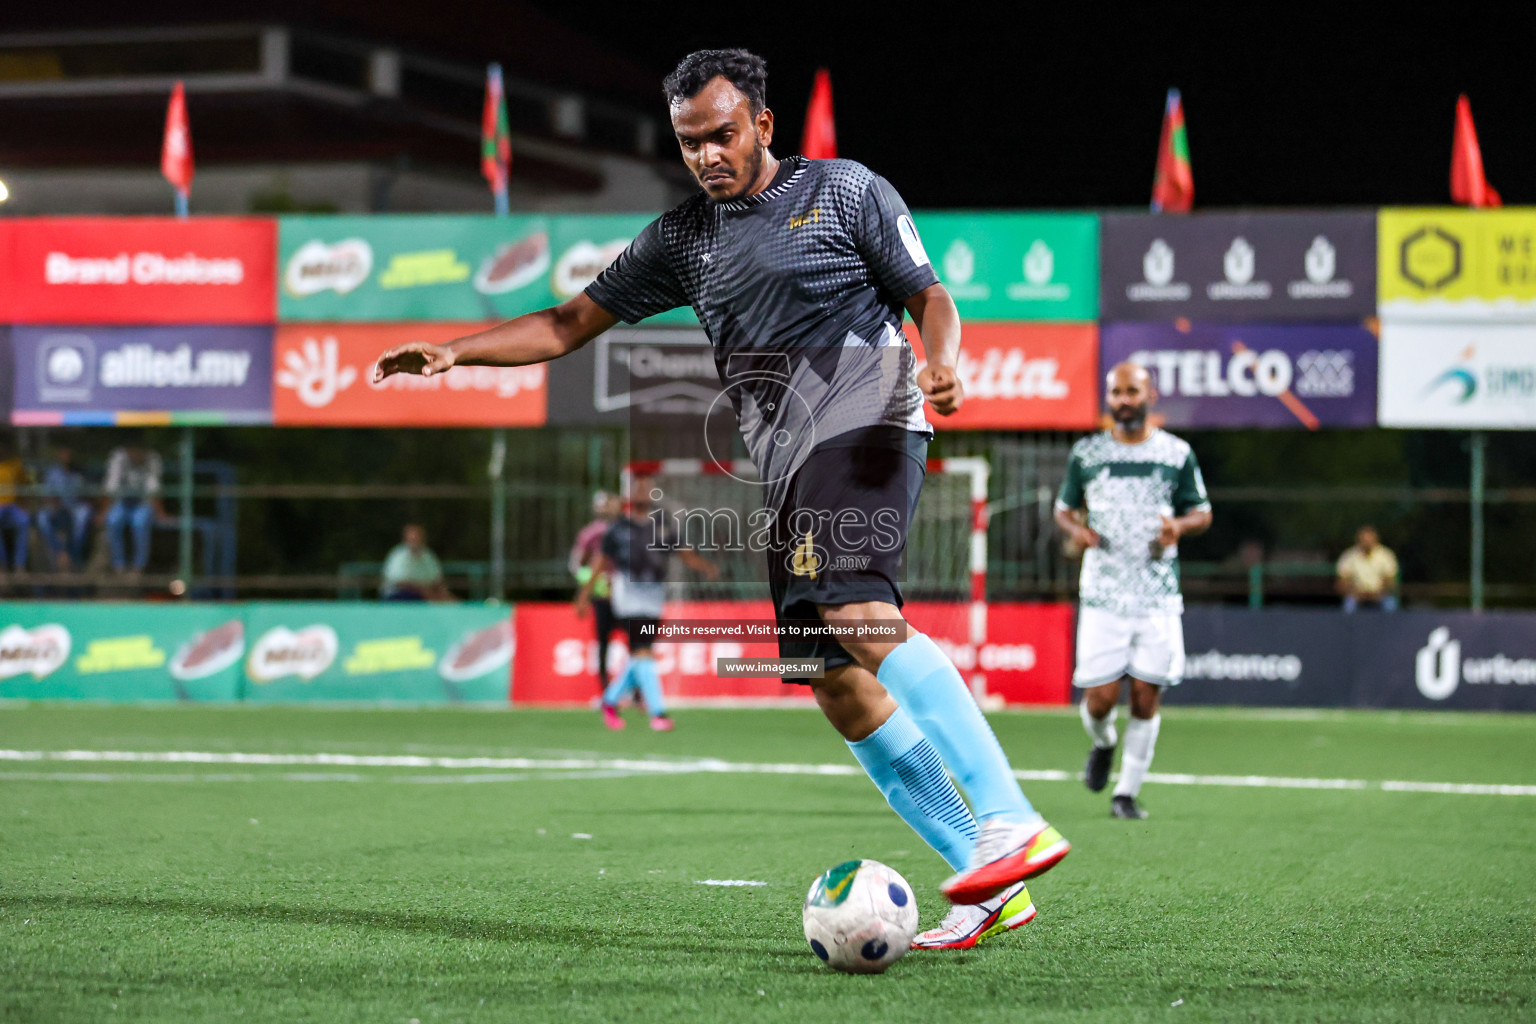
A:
(1129, 393)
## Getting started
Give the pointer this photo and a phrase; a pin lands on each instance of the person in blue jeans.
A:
(65, 519)
(133, 484)
(13, 517)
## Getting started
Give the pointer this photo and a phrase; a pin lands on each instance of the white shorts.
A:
(1145, 647)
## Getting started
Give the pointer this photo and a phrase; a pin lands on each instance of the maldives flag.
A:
(1173, 186)
(1468, 186)
(820, 139)
(176, 147)
(495, 138)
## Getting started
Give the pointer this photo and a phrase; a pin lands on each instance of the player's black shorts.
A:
(639, 632)
(855, 497)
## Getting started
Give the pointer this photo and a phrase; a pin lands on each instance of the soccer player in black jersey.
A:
(799, 271)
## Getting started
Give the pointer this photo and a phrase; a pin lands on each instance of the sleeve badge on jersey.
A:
(908, 232)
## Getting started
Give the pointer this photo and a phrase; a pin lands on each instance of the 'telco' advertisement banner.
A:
(1207, 375)
(445, 268)
(105, 375)
(1235, 268)
(138, 270)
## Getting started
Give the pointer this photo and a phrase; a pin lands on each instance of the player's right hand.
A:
(1085, 538)
(418, 357)
(583, 605)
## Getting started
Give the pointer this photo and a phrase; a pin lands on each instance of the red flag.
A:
(176, 149)
(495, 137)
(1468, 185)
(820, 139)
(1173, 184)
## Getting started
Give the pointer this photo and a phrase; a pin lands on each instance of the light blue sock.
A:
(901, 761)
(619, 685)
(649, 681)
(927, 684)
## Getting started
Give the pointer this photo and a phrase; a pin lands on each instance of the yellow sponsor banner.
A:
(120, 654)
(1455, 264)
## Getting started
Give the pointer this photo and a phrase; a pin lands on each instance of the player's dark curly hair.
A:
(742, 68)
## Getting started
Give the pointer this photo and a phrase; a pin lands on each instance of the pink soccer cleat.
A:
(611, 717)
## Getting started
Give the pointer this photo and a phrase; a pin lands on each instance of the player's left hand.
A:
(941, 386)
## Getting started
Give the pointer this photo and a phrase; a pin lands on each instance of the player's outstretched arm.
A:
(531, 338)
(938, 324)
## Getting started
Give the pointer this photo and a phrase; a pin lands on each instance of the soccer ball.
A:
(860, 917)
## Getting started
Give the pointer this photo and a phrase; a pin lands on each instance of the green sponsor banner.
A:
(998, 266)
(260, 652)
(388, 652)
(120, 652)
(1016, 266)
(402, 268)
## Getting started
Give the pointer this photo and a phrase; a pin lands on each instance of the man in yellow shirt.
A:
(1368, 573)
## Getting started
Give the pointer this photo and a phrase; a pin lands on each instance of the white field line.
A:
(592, 768)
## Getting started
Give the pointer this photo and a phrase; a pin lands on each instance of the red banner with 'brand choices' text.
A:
(139, 270)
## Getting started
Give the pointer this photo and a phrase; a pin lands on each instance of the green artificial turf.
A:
(180, 892)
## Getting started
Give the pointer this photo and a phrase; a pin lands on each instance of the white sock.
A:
(1140, 741)
(1100, 730)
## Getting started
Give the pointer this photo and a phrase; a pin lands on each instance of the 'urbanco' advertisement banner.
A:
(323, 376)
(445, 267)
(1317, 658)
(1269, 658)
(1467, 376)
(1301, 376)
(1016, 266)
(96, 375)
(1238, 267)
(140, 270)
(1453, 264)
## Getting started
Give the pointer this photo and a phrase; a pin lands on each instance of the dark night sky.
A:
(1059, 104)
(1045, 104)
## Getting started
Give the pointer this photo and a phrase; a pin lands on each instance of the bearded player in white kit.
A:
(1141, 490)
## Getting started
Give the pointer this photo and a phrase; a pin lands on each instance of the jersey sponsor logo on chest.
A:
(811, 216)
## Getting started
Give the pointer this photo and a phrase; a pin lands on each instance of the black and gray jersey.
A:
(800, 289)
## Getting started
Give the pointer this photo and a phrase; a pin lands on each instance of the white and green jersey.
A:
(1127, 489)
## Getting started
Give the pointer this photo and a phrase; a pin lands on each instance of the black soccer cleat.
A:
(1096, 771)
(1126, 807)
